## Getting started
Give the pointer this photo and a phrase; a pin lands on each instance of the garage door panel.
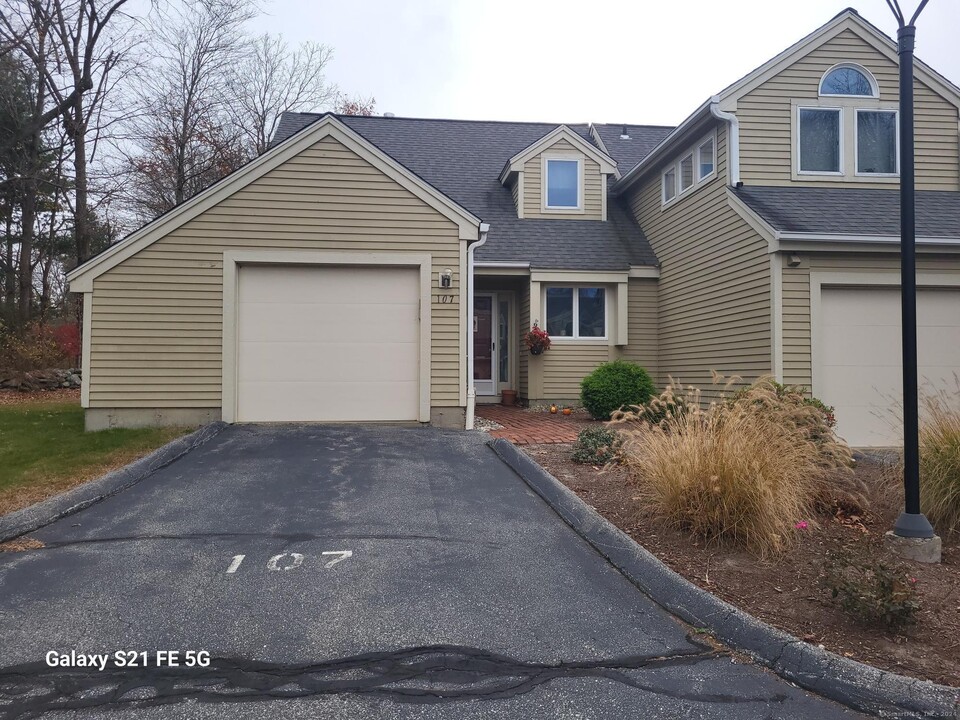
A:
(328, 344)
(348, 362)
(285, 284)
(317, 322)
(874, 341)
(860, 387)
(940, 308)
(860, 370)
(330, 401)
(847, 304)
(939, 345)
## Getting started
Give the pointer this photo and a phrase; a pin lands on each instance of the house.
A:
(386, 269)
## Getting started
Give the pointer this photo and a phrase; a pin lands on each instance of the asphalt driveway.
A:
(351, 572)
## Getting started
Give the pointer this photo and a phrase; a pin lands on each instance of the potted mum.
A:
(537, 340)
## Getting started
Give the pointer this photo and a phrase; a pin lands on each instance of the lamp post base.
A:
(925, 550)
(913, 525)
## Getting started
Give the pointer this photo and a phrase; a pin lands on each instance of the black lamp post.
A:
(912, 523)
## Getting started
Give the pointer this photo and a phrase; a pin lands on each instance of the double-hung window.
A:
(563, 184)
(877, 149)
(819, 146)
(705, 159)
(686, 173)
(577, 312)
(669, 184)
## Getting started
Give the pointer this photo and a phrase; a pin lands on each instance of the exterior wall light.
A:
(446, 278)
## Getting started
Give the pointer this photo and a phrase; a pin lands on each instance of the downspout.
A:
(733, 144)
(471, 386)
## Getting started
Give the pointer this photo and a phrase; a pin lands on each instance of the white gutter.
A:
(733, 142)
(496, 264)
(471, 385)
(865, 239)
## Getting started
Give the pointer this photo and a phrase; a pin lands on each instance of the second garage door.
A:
(860, 356)
(327, 344)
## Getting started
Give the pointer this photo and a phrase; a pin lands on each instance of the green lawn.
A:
(44, 450)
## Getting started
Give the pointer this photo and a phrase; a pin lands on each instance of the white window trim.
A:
(856, 141)
(576, 313)
(693, 173)
(713, 161)
(874, 87)
(840, 133)
(545, 162)
(694, 151)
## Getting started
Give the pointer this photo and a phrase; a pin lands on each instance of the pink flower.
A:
(913, 580)
(802, 525)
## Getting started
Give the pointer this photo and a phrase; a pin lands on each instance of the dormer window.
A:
(848, 80)
(562, 183)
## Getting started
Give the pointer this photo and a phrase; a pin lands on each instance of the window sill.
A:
(564, 340)
(562, 210)
(846, 178)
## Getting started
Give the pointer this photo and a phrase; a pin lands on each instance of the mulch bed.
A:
(785, 591)
(16, 397)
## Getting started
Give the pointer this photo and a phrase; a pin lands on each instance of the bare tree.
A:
(274, 79)
(184, 135)
(73, 52)
(355, 105)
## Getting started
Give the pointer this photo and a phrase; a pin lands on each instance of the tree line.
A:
(114, 111)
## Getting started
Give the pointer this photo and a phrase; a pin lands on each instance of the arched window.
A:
(848, 80)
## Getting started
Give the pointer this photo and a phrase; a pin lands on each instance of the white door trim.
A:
(489, 388)
(232, 260)
(855, 279)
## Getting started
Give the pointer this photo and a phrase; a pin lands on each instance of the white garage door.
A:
(327, 344)
(860, 366)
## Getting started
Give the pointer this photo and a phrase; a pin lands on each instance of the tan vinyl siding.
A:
(566, 364)
(157, 319)
(642, 324)
(714, 286)
(766, 119)
(523, 385)
(796, 298)
(533, 198)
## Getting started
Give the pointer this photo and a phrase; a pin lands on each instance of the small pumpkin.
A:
(567, 411)
(553, 409)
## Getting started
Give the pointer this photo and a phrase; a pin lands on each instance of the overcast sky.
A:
(636, 61)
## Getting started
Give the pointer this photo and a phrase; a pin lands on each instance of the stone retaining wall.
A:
(52, 379)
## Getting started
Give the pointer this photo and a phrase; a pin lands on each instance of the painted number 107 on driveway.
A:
(291, 561)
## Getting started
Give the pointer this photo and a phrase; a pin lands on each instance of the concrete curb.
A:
(862, 687)
(83, 496)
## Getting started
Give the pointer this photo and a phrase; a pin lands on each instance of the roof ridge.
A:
(464, 120)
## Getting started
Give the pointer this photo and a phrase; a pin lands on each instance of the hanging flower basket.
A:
(537, 340)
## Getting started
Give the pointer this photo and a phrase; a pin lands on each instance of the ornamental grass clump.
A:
(940, 459)
(742, 470)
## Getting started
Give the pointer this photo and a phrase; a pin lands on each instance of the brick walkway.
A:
(522, 427)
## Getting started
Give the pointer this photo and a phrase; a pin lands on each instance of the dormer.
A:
(560, 176)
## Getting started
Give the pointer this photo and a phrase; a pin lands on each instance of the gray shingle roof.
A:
(463, 160)
(627, 153)
(852, 211)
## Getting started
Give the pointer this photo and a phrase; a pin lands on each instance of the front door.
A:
(484, 345)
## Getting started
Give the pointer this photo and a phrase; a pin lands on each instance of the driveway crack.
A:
(427, 674)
